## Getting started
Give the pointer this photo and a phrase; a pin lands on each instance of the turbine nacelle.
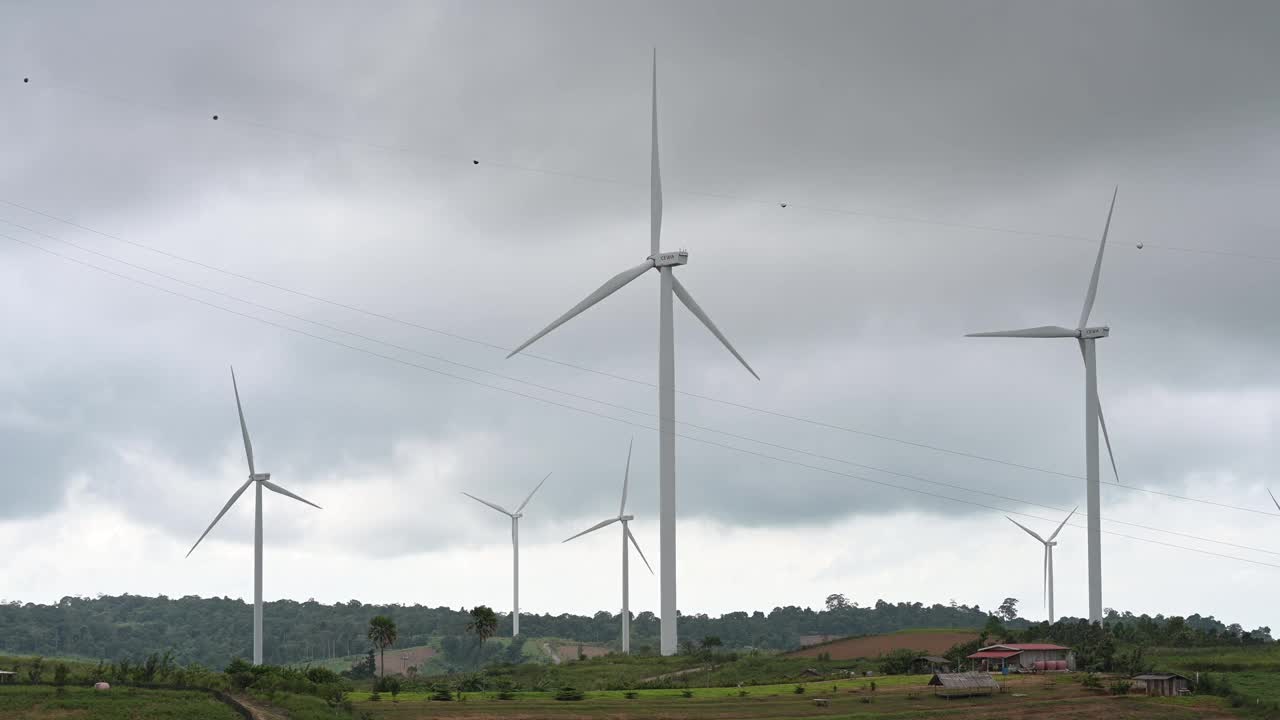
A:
(1093, 333)
(669, 259)
(626, 518)
(260, 477)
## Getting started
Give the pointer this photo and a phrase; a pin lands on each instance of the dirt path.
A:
(258, 709)
(551, 653)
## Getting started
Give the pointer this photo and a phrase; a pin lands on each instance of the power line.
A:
(585, 177)
(617, 406)
(505, 350)
(704, 441)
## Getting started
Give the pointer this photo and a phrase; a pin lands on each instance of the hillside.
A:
(929, 641)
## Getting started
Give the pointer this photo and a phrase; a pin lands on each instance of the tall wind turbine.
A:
(665, 263)
(1086, 337)
(515, 551)
(626, 535)
(261, 480)
(1048, 556)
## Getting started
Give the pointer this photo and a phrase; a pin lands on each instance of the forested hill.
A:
(212, 631)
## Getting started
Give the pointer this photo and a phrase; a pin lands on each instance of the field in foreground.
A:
(1059, 697)
(934, 642)
(41, 702)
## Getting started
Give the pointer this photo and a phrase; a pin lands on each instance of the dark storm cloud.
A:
(980, 114)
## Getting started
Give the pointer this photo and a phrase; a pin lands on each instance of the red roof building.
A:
(1023, 657)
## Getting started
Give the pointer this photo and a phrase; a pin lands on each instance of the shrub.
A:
(441, 693)
(873, 686)
(866, 699)
(631, 694)
(1091, 680)
(568, 693)
(375, 696)
(687, 693)
(743, 693)
(60, 672)
(799, 690)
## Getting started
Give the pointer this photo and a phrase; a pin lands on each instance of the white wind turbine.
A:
(626, 535)
(1086, 337)
(261, 480)
(515, 550)
(1048, 556)
(665, 263)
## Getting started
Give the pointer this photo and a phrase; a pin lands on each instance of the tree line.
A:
(213, 631)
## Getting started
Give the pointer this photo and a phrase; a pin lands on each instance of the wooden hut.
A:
(1163, 683)
(929, 664)
(951, 685)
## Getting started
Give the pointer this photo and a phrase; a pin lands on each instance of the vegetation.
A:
(38, 701)
(382, 633)
(484, 622)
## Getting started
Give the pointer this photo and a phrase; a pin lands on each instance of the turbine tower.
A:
(665, 263)
(515, 551)
(261, 480)
(1048, 556)
(626, 535)
(1086, 337)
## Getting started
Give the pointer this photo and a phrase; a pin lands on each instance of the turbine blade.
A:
(272, 486)
(655, 172)
(234, 497)
(535, 489)
(1030, 532)
(626, 474)
(1097, 265)
(1046, 576)
(614, 284)
(244, 430)
(499, 508)
(1063, 523)
(1044, 331)
(636, 545)
(698, 312)
(1102, 422)
(1273, 498)
(591, 529)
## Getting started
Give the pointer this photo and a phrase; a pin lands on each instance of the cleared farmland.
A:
(933, 642)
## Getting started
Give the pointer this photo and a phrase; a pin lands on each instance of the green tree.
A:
(382, 633)
(837, 601)
(484, 622)
(1008, 609)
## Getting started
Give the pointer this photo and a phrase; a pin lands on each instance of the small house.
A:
(7, 677)
(930, 664)
(968, 684)
(1163, 683)
(1024, 657)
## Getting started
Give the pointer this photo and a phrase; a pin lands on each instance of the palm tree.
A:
(484, 622)
(382, 633)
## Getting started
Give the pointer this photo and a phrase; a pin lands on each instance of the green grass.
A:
(37, 702)
(1261, 658)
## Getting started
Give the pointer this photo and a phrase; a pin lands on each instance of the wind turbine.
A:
(261, 480)
(1273, 498)
(1086, 337)
(626, 535)
(1048, 556)
(515, 550)
(665, 263)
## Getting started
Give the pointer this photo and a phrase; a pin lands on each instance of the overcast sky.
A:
(946, 168)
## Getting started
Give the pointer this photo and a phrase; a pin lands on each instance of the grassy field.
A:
(21, 702)
(897, 697)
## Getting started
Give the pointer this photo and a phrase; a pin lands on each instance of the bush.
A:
(631, 694)
(873, 686)
(799, 690)
(743, 693)
(1120, 686)
(1091, 680)
(865, 699)
(375, 696)
(441, 693)
(568, 693)
(687, 693)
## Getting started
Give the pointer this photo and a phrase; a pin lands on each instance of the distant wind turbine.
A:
(665, 263)
(261, 480)
(1086, 337)
(626, 535)
(1048, 556)
(515, 550)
